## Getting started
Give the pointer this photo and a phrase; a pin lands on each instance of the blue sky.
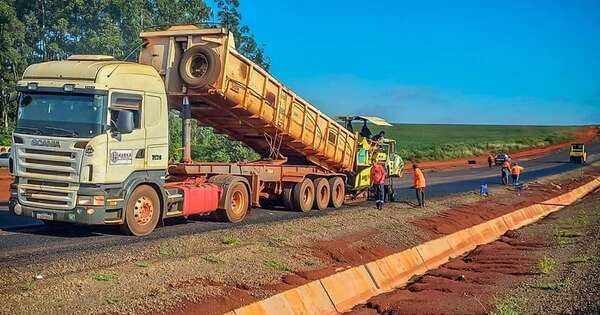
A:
(484, 62)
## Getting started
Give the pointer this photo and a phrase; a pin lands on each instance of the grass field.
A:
(446, 142)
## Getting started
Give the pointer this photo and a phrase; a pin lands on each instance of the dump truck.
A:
(91, 141)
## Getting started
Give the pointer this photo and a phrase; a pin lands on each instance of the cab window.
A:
(129, 102)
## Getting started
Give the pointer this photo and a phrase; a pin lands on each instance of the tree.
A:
(39, 30)
(244, 40)
(13, 50)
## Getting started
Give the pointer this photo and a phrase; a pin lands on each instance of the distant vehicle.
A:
(500, 158)
(4, 159)
(577, 153)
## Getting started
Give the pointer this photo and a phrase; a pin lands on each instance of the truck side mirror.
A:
(125, 123)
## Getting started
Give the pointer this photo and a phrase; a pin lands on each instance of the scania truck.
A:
(91, 141)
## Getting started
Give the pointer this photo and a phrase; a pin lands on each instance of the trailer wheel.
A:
(286, 196)
(322, 193)
(338, 192)
(237, 201)
(142, 211)
(199, 66)
(303, 195)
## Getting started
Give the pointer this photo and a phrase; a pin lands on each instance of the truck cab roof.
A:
(99, 70)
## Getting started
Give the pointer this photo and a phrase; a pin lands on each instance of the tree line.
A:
(33, 31)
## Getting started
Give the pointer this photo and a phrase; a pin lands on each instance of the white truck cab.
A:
(89, 129)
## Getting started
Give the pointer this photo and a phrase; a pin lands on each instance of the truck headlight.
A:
(90, 200)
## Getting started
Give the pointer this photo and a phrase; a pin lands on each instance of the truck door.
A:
(156, 124)
(126, 152)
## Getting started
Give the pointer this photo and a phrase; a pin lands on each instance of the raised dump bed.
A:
(236, 97)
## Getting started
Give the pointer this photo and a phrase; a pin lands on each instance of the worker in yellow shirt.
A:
(516, 171)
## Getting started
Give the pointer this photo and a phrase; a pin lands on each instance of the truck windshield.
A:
(64, 115)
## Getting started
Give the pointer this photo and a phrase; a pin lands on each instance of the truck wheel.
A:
(286, 196)
(322, 193)
(303, 195)
(338, 192)
(237, 201)
(199, 66)
(142, 211)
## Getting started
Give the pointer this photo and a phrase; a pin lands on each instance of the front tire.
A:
(142, 211)
(237, 203)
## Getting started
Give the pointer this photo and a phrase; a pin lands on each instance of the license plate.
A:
(44, 216)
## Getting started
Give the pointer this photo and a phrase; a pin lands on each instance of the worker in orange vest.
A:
(516, 172)
(419, 185)
(505, 172)
(377, 182)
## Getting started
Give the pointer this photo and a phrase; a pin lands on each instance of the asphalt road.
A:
(24, 239)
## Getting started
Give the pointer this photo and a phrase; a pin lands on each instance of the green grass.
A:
(142, 264)
(231, 240)
(446, 142)
(277, 265)
(167, 252)
(104, 276)
(546, 264)
(507, 306)
(583, 259)
(554, 286)
(214, 259)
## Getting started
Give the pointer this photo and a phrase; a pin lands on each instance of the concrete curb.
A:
(340, 292)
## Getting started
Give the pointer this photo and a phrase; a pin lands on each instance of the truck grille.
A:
(49, 164)
(48, 177)
(47, 194)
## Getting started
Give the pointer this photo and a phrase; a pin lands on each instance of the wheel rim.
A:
(143, 210)
(198, 66)
(237, 202)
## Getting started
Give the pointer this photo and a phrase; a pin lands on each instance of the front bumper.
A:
(91, 215)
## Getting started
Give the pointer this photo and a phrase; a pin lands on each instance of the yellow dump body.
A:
(247, 103)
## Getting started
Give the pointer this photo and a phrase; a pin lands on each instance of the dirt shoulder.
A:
(213, 272)
(551, 267)
(585, 136)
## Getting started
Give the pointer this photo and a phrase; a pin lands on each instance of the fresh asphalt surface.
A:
(25, 239)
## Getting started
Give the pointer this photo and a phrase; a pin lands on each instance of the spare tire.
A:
(199, 66)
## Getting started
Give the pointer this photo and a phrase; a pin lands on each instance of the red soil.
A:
(584, 136)
(465, 216)
(5, 180)
(464, 285)
(495, 264)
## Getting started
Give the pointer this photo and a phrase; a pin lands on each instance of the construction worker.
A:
(490, 160)
(377, 182)
(506, 170)
(516, 172)
(419, 185)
